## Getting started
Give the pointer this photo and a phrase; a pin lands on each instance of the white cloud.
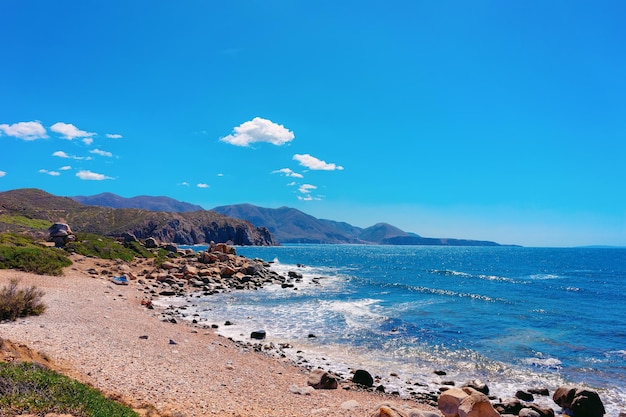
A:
(62, 154)
(65, 168)
(288, 173)
(101, 153)
(259, 130)
(52, 173)
(220, 175)
(113, 136)
(91, 176)
(315, 164)
(184, 183)
(308, 197)
(307, 188)
(2, 174)
(69, 131)
(25, 130)
(291, 184)
(88, 141)
(203, 185)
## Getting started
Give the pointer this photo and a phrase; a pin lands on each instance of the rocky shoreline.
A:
(219, 269)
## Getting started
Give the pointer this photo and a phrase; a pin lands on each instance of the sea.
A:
(513, 317)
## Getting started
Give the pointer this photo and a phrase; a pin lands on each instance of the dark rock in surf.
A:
(363, 377)
(581, 401)
(258, 335)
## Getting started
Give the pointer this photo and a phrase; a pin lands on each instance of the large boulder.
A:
(580, 401)
(60, 234)
(476, 404)
(320, 379)
(466, 402)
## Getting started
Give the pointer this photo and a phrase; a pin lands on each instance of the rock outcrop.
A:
(61, 234)
(579, 401)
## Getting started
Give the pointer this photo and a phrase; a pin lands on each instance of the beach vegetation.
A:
(29, 388)
(23, 253)
(20, 302)
(24, 221)
(89, 244)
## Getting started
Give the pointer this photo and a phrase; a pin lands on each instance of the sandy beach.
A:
(100, 333)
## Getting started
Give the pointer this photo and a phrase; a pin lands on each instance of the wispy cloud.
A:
(62, 154)
(288, 173)
(91, 176)
(259, 130)
(307, 188)
(101, 153)
(203, 185)
(184, 184)
(25, 130)
(2, 174)
(315, 164)
(65, 168)
(113, 136)
(88, 141)
(51, 173)
(69, 131)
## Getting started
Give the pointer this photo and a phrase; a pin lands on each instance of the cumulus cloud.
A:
(315, 164)
(69, 131)
(51, 173)
(113, 136)
(288, 173)
(91, 176)
(2, 174)
(203, 185)
(101, 152)
(259, 130)
(65, 168)
(88, 141)
(25, 130)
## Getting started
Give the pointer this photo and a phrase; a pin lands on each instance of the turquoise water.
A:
(513, 317)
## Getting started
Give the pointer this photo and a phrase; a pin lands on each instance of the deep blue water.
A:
(513, 317)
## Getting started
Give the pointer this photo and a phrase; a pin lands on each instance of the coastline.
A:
(102, 334)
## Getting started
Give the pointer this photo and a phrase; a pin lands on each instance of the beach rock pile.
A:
(469, 402)
(218, 269)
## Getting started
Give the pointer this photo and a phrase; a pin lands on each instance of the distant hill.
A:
(290, 225)
(144, 202)
(184, 228)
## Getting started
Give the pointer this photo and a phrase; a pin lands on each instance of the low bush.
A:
(20, 302)
(28, 388)
(88, 244)
(23, 253)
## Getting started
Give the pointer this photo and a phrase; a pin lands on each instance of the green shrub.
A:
(23, 253)
(25, 222)
(88, 244)
(34, 389)
(16, 302)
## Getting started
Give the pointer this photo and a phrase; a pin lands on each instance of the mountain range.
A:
(287, 225)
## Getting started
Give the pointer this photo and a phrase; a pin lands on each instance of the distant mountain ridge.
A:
(288, 225)
(144, 202)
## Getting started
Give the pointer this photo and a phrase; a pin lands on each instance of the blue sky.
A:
(496, 120)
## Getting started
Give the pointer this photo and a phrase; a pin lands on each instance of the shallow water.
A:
(513, 317)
